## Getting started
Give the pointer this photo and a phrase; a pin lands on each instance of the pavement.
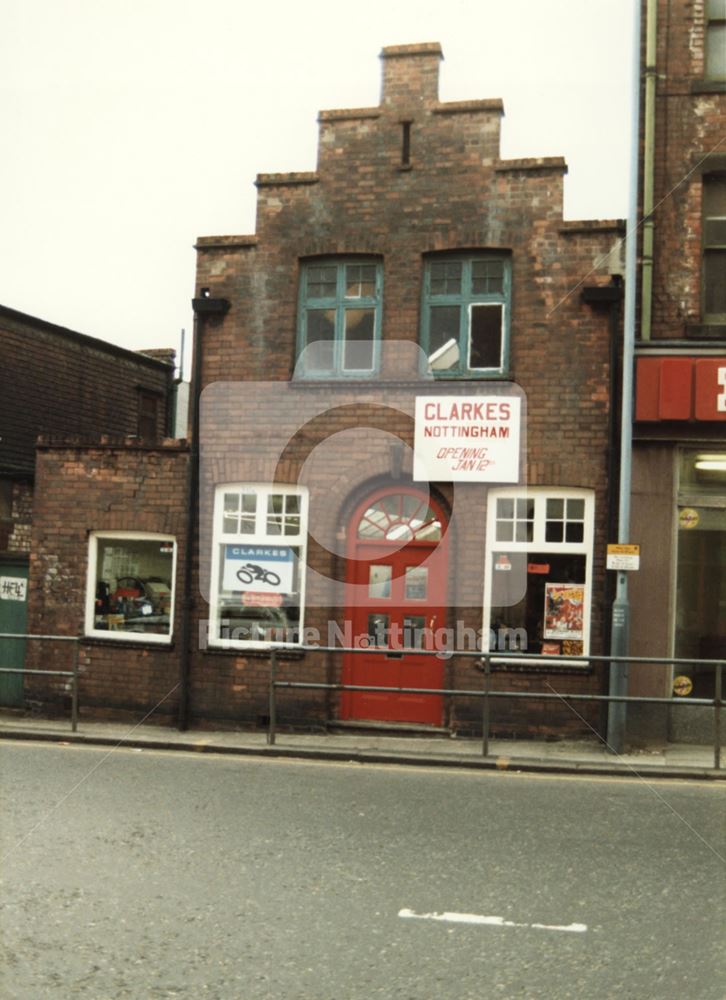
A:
(671, 760)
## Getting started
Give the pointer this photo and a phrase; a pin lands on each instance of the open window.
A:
(258, 565)
(465, 315)
(130, 588)
(539, 571)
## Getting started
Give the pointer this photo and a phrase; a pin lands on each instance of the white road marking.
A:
(478, 918)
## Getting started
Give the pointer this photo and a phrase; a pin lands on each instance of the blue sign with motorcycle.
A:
(264, 568)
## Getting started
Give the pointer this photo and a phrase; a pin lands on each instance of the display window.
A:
(700, 621)
(258, 565)
(130, 590)
(539, 569)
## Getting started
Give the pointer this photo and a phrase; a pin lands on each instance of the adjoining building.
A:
(679, 459)
(61, 384)
(405, 440)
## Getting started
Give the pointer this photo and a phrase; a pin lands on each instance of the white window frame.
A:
(259, 536)
(540, 495)
(90, 611)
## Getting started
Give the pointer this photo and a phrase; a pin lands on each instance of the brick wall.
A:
(16, 515)
(453, 193)
(690, 129)
(55, 381)
(112, 487)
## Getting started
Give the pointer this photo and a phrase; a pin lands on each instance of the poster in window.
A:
(261, 568)
(564, 604)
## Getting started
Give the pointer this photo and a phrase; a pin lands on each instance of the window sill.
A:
(302, 378)
(708, 87)
(503, 665)
(120, 640)
(474, 376)
(254, 652)
(706, 331)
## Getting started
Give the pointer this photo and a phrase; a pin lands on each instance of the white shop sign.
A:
(261, 568)
(13, 588)
(467, 439)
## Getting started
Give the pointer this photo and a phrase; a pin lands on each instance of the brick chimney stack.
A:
(411, 75)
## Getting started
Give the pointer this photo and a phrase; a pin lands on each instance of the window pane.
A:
(715, 282)
(555, 508)
(487, 277)
(378, 629)
(575, 510)
(274, 503)
(379, 582)
(417, 580)
(292, 504)
(414, 631)
(360, 281)
(320, 339)
(505, 507)
(575, 531)
(358, 354)
(231, 502)
(412, 506)
(446, 277)
(714, 195)
(554, 531)
(321, 282)
(716, 9)
(714, 231)
(249, 503)
(716, 51)
(133, 585)
(259, 593)
(485, 349)
(525, 508)
(430, 530)
(505, 531)
(524, 531)
(444, 324)
(230, 525)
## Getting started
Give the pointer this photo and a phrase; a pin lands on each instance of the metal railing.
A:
(72, 673)
(486, 693)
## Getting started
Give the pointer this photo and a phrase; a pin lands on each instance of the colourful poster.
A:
(564, 609)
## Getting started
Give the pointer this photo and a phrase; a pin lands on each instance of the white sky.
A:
(130, 127)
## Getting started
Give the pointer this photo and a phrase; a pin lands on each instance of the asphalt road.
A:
(147, 875)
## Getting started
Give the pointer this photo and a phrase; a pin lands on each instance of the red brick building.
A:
(54, 381)
(679, 472)
(405, 439)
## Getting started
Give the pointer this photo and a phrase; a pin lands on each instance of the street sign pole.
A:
(621, 609)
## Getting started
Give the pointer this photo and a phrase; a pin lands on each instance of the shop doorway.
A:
(13, 620)
(396, 597)
(700, 621)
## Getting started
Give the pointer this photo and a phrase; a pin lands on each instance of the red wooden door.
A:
(396, 586)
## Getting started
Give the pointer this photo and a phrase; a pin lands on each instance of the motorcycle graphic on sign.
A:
(261, 568)
(252, 573)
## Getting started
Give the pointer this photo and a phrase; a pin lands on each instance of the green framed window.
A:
(715, 43)
(714, 248)
(339, 323)
(465, 314)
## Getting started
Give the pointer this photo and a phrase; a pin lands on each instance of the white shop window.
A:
(538, 581)
(258, 566)
(130, 587)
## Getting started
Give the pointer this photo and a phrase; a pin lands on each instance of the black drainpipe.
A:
(610, 297)
(204, 307)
